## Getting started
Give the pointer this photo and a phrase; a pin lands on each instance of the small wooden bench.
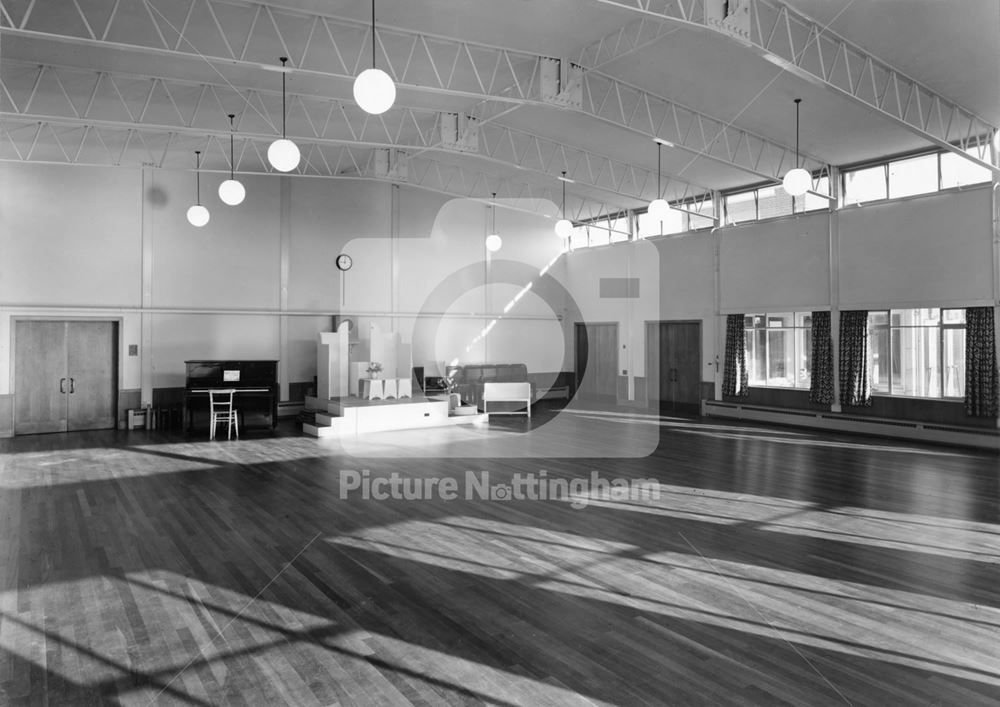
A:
(508, 393)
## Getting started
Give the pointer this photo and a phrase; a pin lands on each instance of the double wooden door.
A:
(673, 366)
(65, 375)
(597, 361)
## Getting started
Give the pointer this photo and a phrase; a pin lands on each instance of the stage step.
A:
(319, 430)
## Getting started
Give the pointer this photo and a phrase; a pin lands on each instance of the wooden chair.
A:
(220, 403)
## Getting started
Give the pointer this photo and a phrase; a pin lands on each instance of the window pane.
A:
(673, 224)
(916, 368)
(803, 319)
(706, 219)
(878, 351)
(956, 171)
(811, 202)
(619, 229)
(741, 207)
(865, 185)
(782, 319)
(803, 345)
(772, 201)
(780, 357)
(953, 316)
(579, 238)
(599, 233)
(755, 354)
(954, 363)
(917, 175)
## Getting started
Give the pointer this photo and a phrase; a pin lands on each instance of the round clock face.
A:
(344, 261)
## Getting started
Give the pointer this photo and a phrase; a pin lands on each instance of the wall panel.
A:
(69, 235)
(931, 250)
(779, 264)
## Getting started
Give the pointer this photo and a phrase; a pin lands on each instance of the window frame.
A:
(793, 330)
(941, 327)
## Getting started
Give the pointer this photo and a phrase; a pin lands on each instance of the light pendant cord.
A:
(797, 102)
(283, 59)
(373, 34)
(494, 212)
(197, 177)
(564, 194)
(232, 163)
(659, 150)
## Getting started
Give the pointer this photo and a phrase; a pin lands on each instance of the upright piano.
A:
(255, 383)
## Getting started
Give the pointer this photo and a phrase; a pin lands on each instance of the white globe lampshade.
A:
(564, 228)
(493, 243)
(232, 192)
(658, 209)
(374, 91)
(197, 215)
(283, 154)
(797, 181)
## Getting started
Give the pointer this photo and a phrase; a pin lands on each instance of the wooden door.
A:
(65, 376)
(673, 365)
(597, 361)
(92, 349)
(40, 377)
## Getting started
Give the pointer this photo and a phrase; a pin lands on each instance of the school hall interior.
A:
(370, 352)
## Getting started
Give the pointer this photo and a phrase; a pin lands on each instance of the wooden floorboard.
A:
(776, 567)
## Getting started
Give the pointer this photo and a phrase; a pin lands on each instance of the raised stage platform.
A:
(338, 417)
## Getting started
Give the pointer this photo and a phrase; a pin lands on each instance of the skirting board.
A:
(840, 422)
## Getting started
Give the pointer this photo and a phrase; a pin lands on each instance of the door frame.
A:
(618, 340)
(119, 323)
(701, 353)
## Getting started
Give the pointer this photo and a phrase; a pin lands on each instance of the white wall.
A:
(929, 251)
(76, 241)
(781, 264)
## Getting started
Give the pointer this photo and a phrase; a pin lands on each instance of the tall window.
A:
(779, 349)
(917, 352)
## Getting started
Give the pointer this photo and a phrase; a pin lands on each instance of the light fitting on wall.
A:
(374, 90)
(658, 208)
(197, 215)
(797, 181)
(283, 154)
(231, 191)
(493, 240)
(564, 227)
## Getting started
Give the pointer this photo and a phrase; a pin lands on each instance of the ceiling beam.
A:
(77, 142)
(233, 33)
(71, 97)
(800, 45)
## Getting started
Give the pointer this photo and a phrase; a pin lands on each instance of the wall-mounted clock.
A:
(344, 262)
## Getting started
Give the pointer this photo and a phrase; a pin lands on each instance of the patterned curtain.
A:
(854, 384)
(980, 363)
(734, 375)
(821, 387)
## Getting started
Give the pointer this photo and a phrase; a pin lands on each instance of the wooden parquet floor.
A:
(773, 567)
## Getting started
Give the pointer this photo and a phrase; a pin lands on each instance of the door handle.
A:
(72, 386)
(62, 385)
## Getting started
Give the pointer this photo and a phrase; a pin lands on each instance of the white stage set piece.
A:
(352, 398)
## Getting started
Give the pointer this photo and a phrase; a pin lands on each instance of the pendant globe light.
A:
(564, 227)
(231, 191)
(197, 215)
(658, 208)
(797, 181)
(283, 154)
(374, 90)
(493, 241)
